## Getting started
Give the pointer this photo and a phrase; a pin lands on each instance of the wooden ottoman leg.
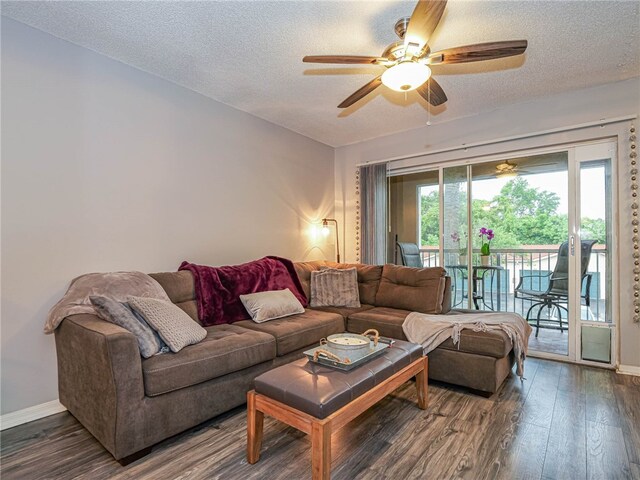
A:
(255, 421)
(321, 450)
(422, 384)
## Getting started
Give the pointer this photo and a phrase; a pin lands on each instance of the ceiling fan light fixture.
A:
(406, 76)
(506, 169)
(407, 59)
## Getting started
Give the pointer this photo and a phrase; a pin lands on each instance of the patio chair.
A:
(410, 254)
(557, 293)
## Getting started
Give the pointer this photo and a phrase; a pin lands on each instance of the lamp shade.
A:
(406, 76)
(507, 174)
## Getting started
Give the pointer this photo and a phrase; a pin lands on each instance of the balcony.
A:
(497, 288)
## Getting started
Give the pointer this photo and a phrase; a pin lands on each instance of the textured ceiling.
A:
(247, 54)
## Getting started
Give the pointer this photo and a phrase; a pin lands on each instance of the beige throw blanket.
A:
(431, 330)
(116, 285)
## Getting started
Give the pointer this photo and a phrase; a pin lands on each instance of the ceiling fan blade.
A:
(361, 92)
(424, 21)
(480, 51)
(432, 92)
(343, 59)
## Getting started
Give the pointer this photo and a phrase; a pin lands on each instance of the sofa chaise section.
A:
(480, 361)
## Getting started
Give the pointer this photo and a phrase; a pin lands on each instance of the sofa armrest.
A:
(100, 380)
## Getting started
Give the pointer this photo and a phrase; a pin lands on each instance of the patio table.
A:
(491, 274)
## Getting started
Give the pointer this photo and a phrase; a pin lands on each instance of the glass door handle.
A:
(572, 242)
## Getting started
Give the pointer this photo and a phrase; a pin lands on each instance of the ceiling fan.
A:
(507, 169)
(408, 59)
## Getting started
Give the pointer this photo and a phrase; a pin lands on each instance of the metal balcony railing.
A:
(498, 287)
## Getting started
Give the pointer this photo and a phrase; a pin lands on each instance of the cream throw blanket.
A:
(118, 286)
(431, 330)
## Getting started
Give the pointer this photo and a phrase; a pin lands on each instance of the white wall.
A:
(553, 112)
(105, 168)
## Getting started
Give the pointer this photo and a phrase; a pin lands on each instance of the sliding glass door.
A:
(523, 205)
(414, 213)
(455, 232)
(529, 234)
(593, 275)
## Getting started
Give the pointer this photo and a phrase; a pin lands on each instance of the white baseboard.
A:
(13, 419)
(628, 370)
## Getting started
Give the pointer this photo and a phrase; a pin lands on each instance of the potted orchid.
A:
(462, 248)
(485, 250)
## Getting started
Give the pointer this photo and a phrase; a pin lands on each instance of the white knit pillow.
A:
(173, 325)
(264, 306)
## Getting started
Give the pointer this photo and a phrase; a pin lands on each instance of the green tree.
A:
(522, 215)
(430, 219)
(485, 215)
(519, 215)
(594, 229)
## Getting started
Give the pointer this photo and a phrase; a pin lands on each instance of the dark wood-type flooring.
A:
(563, 422)
(550, 341)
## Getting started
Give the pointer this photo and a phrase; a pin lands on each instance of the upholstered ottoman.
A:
(319, 400)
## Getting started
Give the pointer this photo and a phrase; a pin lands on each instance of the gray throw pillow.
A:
(333, 287)
(122, 315)
(264, 306)
(175, 327)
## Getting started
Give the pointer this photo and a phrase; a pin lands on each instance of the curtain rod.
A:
(427, 153)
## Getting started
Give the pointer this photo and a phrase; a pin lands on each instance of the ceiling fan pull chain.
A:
(429, 102)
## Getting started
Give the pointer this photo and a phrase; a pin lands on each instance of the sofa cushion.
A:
(388, 322)
(304, 269)
(298, 331)
(415, 289)
(368, 279)
(345, 311)
(190, 308)
(180, 288)
(494, 343)
(225, 349)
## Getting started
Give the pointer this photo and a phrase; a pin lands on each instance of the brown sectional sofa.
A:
(129, 403)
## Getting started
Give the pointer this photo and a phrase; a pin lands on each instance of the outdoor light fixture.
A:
(406, 76)
(326, 231)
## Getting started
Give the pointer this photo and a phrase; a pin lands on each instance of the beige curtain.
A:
(373, 201)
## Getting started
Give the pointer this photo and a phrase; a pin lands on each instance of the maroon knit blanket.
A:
(218, 289)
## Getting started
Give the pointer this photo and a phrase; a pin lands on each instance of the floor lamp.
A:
(326, 231)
